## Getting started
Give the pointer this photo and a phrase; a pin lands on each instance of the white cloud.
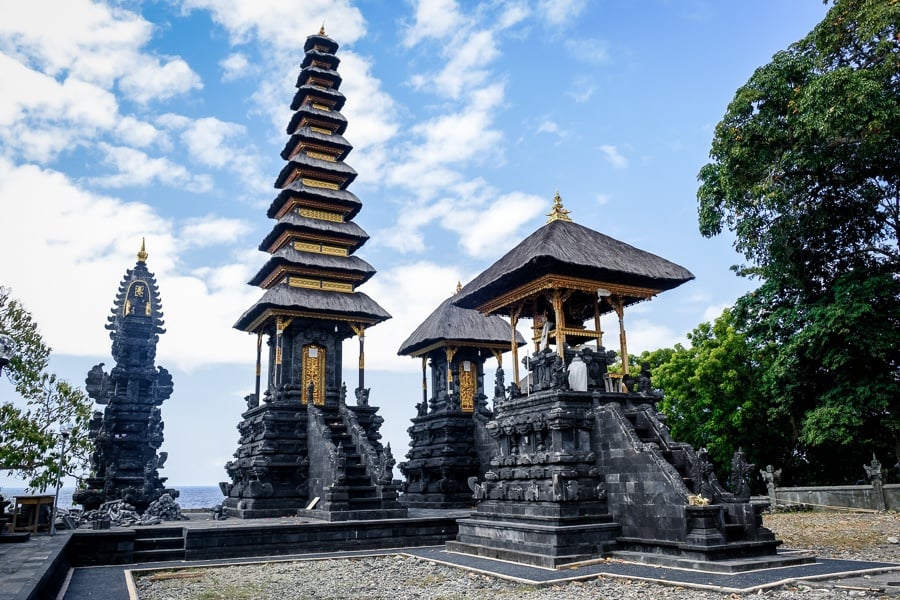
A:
(40, 116)
(613, 156)
(284, 25)
(212, 230)
(70, 279)
(136, 168)
(150, 79)
(582, 89)
(95, 43)
(435, 19)
(486, 231)
(551, 127)
(588, 50)
(219, 144)
(139, 133)
(560, 12)
(234, 66)
(602, 199)
(409, 293)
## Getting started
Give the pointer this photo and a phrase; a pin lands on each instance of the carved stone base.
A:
(260, 508)
(544, 534)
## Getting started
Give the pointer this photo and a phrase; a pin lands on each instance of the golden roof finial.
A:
(322, 29)
(558, 213)
(458, 286)
(142, 255)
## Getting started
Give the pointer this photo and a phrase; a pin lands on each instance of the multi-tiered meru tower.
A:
(128, 433)
(302, 448)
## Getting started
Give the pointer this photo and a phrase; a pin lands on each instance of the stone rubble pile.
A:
(119, 513)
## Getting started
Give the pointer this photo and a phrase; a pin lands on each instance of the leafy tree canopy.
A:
(806, 172)
(30, 438)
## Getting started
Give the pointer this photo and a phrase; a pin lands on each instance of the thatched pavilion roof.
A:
(566, 249)
(452, 325)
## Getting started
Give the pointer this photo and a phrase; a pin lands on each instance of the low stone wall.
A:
(865, 497)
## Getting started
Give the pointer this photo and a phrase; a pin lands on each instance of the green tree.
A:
(806, 172)
(30, 438)
(712, 395)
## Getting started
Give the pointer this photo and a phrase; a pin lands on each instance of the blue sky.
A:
(164, 120)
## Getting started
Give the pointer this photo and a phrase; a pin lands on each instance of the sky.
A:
(163, 120)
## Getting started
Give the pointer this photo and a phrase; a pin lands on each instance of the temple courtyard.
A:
(853, 553)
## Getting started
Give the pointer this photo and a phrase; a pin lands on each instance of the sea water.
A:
(192, 496)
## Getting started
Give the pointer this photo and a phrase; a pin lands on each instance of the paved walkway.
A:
(23, 565)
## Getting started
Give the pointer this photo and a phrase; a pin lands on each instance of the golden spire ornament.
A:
(558, 213)
(142, 254)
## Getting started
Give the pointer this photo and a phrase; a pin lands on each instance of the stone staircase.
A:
(361, 492)
(677, 454)
(158, 544)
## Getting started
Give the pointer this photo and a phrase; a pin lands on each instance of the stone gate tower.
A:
(129, 432)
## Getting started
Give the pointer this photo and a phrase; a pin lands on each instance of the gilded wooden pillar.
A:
(450, 351)
(360, 330)
(259, 336)
(424, 380)
(560, 318)
(279, 331)
(513, 319)
(619, 306)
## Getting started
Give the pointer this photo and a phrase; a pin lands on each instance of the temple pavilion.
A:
(302, 448)
(454, 344)
(584, 469)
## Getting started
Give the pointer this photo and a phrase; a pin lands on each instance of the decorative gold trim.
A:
(307, 247)
(492, 346)
(322, 215)
(314, 372)
(142, 253)
(318, 183)
(321, 130)
(265, 316)
(335, 250)
(467, 386)
(302, 282)
(318, 106)
(320, 155)
(498, 354)
(334, 286)
(320, 248)
(551, 282)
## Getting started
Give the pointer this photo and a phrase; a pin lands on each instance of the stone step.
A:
(141, 556)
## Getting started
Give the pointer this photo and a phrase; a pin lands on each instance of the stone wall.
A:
(843, 496)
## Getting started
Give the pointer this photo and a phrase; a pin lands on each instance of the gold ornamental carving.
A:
(320, 248)
(318, 183)
(467, 386)
(314, 372)
(320, 155)
(322, 215)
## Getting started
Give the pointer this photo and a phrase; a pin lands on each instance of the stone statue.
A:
(362, 396)
(558, 376)
(252, 400)
(739, 481)
(499, 384)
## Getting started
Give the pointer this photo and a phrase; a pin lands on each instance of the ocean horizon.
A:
(191, 497)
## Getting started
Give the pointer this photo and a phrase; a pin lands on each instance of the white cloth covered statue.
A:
(578, 375)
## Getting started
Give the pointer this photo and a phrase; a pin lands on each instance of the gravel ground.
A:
(830, 535)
